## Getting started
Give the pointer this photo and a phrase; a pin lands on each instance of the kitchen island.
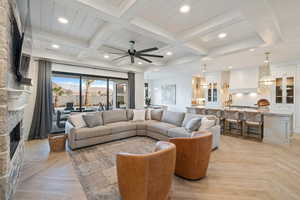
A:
(277, 126)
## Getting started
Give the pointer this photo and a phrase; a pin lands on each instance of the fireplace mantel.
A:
(17, 99)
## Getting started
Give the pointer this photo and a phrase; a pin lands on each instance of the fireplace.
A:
(15, 139)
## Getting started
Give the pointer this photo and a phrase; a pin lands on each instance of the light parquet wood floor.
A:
(47, 176)
(239, 170)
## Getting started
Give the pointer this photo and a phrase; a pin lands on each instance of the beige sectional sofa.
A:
(118, 124)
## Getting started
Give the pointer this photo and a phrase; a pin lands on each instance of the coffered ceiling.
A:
(96, 27)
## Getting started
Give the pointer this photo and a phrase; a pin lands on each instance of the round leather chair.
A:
(192, 155)
(147, 176)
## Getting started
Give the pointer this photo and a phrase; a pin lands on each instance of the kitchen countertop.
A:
(271, 112)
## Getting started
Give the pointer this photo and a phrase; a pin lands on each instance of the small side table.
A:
(57, 142)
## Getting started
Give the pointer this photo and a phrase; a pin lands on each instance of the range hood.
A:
(242, 90)
(243, 81)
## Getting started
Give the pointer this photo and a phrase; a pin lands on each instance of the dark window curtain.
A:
(131, 90)
(42, 117)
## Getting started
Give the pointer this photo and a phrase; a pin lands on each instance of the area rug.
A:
(96, 165)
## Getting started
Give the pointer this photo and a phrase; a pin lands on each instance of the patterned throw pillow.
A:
(77, 120)
(138, 115)
(193, 124)
(93, 120)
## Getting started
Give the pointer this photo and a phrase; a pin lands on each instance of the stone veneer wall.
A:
(9, 168)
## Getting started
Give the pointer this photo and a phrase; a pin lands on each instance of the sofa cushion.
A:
(119, 127)
(156, 114)
(142, 125)
(174, 118)
(97, 131)
(178, 132)
(112, 116)
(160, 127)
(93, 119)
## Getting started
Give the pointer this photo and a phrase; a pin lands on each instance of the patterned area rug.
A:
(96, 165)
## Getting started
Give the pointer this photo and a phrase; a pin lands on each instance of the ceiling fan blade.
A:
(147, 50)
(149, 61)
(117, 53)
(151, 55)
(117, 49)
(132, 59)
(119, 58)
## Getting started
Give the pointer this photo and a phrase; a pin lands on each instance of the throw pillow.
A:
(93, 120)
(193, 124)
(206, 124)
(138, 115)
(77, 120)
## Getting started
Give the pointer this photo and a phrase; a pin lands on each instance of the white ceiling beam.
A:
(41, 35)
(214, 24)
(260, 14)
(251, 42)
(99, 37)
(40, 53)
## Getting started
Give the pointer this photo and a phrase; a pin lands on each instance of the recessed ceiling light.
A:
(63, 20)
(185, 9)
(139, 63)
(106, 56)
(251, 49)
(222, 35)
(169, 53)
(55, 46)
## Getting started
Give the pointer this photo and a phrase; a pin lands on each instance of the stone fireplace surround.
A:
(13, 97)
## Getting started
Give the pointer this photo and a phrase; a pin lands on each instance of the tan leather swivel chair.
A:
(192, 155)
(147, 176)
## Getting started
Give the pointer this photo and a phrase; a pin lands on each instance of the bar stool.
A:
(215, 112)
(253, 124)
(232, 117)
(219, 114)
(201, 111)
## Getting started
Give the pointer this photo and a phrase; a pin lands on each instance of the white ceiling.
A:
(96, 25)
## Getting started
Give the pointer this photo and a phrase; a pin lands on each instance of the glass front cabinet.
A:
(212, 93)
(285, 90)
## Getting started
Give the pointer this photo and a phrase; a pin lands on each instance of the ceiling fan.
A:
(132, 53)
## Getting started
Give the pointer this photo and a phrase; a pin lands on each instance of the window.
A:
(83, 93)
(119, 93)
(94, 93)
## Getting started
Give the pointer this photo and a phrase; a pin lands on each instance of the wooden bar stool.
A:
(253, 124)
(201, 111)
(232, 118)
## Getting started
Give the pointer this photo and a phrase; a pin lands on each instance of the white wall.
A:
(244, 78)
(139, 90)
(183, 91)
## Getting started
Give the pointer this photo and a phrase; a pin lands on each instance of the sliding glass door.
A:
(65, 98)
(118, 94)
(94, 94)
(82, 93)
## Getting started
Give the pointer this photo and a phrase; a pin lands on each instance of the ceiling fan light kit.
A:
(133, 53)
